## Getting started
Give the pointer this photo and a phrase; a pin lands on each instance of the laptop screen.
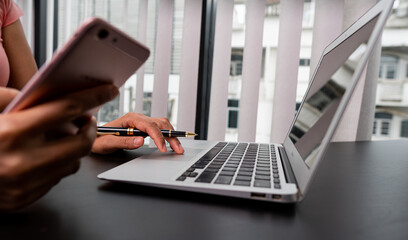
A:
(329, 83)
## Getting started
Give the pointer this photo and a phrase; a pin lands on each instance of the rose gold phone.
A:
(97, 53)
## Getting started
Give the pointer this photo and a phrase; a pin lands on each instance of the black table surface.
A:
(359, 192)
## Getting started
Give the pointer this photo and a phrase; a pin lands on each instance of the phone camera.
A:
(103, 33)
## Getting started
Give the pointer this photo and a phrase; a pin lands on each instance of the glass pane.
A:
(235, 80)
(383, 115)
(406, 71)
(391, 71)
(124, 14)
(267, 82)
(270, 44)
(233, 103)
(236, 61)
(304, 62)
(385, 126)
(404, 128)
(375, 127)
(232, 119)
(392, 95)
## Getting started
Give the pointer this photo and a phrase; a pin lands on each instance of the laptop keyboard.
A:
(239, 164)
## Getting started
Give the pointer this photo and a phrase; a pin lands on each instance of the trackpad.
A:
(189, 153)
(153, 167)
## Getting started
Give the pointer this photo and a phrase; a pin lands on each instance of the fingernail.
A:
(180, 147)
(164, 147)
(137, 142)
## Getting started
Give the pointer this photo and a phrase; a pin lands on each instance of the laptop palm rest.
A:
(156, 166)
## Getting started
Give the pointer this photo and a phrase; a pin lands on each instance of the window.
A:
(236, 62)
(385, 128)
(147, 103)
(272, 10)
(383, 115)
(382, 124)
(375, 128)
(391, 71)
(304, 62)
(404, 128)
(382, 127)
(125, 15)
(297, 105)
(109, 111)
(388, 67)
(406, 71)
(233, 107)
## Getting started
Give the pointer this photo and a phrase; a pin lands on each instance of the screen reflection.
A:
(321, 103)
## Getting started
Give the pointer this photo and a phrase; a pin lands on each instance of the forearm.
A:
(22, 63)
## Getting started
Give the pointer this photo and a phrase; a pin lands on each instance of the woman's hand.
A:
(30, 162)
(152, 126)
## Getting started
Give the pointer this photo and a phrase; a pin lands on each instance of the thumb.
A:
(6, 95)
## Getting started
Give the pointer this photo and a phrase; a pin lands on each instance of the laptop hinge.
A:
(290, 177)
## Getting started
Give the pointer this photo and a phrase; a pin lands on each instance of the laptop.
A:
(269, 171)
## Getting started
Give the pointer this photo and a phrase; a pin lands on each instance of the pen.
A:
(117, 131)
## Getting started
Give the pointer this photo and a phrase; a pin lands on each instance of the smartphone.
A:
(97, 53)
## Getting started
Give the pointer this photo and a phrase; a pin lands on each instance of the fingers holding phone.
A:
(30, 163)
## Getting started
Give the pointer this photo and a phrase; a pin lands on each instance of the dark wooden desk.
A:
(360, 192)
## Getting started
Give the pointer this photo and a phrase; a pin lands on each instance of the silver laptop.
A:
(268, 171)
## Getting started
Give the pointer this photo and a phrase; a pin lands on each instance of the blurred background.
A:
(63, 17)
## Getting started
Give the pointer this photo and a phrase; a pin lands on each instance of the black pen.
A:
(117, 131)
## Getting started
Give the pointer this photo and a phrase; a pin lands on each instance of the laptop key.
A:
(246, 169)
(199, 165)
(242, 183)
(226, 173)
(262, 183)
(243, 178)
(181, 178)
(242, 173)
(228, 169)
(211, 154)
(223, 180)
(266, 173)
(262, 177)
(215, 165)
(205, 177)
(213, 170)
(262, 169)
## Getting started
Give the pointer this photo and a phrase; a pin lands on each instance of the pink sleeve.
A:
(11, 12)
